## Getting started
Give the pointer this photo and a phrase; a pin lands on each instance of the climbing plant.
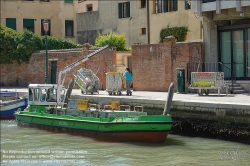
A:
(179, 33)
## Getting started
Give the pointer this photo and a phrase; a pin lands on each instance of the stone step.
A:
(239, 91)
(234, 84)
(236, 88)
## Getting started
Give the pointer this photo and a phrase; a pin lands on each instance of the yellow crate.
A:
(82, 104)
(115, 105)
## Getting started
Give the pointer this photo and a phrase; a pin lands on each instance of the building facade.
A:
(227, 35)
(29, 14)
(141, 21)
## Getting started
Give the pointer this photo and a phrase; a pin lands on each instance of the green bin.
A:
(180, 78)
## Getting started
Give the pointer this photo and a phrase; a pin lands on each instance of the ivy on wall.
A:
(179, 33)
(19, 46)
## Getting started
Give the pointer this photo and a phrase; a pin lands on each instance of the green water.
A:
(30, 146)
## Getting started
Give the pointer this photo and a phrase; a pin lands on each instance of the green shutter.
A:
(11, 23)
(28, 22)
(175, 8)
(68, 1)
(69, 22)
(128, 9)
(120, 10)
(165, 5)
(186, 5)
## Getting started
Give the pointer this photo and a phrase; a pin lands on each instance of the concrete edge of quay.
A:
(226, 121)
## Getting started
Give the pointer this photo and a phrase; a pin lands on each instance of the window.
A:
(28, 24)
(42, 30)
(143, 31)
(158, 6)
(143, 3)
(69, 28)
(124, 10)
(11, 23)
(89, 7)
(187, 5)
(165, 6)
(68, 1)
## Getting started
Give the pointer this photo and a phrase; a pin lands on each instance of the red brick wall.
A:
(154, 66)
(34, 71)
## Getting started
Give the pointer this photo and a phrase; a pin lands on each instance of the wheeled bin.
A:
(114, 83)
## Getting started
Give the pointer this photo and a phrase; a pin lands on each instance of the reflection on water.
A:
(31, 146)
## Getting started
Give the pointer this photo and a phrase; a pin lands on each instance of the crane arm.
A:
(71, 66)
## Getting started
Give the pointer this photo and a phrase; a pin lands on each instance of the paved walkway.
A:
(237, 99)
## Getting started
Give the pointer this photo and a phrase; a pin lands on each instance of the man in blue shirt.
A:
(129, 80)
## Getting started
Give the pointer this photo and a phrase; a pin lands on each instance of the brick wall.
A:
(154, 65)
(34, 71)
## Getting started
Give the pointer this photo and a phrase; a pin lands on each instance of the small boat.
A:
(9, 104)
(110, 121)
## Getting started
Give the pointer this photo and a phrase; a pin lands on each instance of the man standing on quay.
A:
(129, 80)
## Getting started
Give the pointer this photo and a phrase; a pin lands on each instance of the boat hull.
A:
(139, 129)
(109, 136)
(9, 108)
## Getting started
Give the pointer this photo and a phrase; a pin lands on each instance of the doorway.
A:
(53, 72)
(234, 53)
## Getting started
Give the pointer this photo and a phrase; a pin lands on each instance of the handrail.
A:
(225, 66)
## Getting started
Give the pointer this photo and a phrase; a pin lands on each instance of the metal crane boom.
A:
(63, 72)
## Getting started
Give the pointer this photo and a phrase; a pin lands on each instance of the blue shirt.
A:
(128, 76)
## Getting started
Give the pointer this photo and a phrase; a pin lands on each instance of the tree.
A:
(112, 39)
(8, 45)
(19, 46)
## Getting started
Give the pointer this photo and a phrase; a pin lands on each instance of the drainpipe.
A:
(148, 22)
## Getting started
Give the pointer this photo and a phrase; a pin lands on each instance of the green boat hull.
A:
(148, 128)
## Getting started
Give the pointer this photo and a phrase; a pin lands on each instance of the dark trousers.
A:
(128, 85)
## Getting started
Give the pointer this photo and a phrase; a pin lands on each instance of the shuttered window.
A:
(175, 5)
(169, 5)
(187, 5)
(29, 24)
(68, 1)
(143, 3)
(11, 23)
(124, 10)
(69, 28)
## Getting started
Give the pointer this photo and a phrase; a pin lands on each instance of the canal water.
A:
(31, 146)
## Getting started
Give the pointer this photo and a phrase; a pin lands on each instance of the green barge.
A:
(110, 121)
